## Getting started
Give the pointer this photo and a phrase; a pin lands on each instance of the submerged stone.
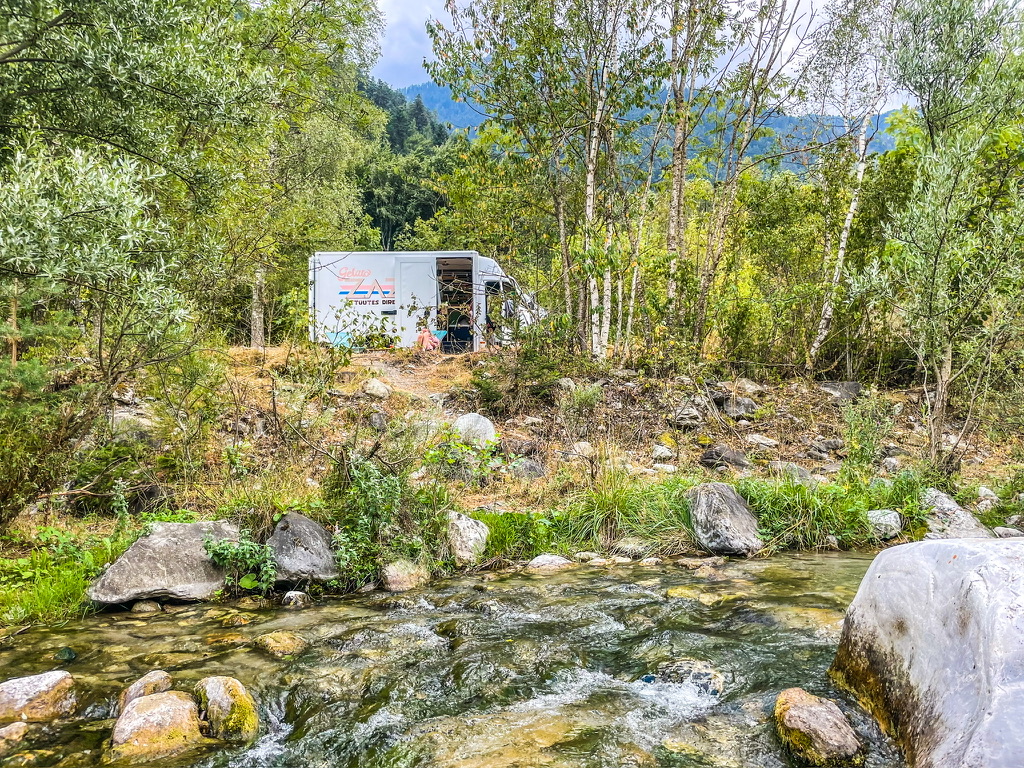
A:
(11, 736)
(701, 675)
(548, 563)
(815, 730)
(281, 644)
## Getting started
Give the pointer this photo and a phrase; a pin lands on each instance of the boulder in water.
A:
(170, 561)
(156, 726)
(701, 675)
(475, 430)
(156, 681)
(403, 575)
(722, 521)
(548, 563)
(816, 730)
(467, 537)
(296, 599)
(11, 736)
(303, 550)
(932, 646)
(38, 698)
(229, 709)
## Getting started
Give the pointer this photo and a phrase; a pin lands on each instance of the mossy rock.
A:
(156, 726)
(281, 644)
(815, 730)
(230, 709)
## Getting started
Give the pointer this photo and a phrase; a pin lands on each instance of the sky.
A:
(405, 42)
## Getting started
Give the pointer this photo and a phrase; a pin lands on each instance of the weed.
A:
(578, 407)
(249, 565)
(515, 535)
(868, 422)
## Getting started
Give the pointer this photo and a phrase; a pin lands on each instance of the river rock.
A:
(475, 430)
(932, 646)
(11, 736)
(169, 561)
(738, 407)
(467, 537)
(281, 643)
(794, 472)
(1007, 533)
(722, 521)
(146, 606)
(376, 388)
(296, 599)
(229, 709)
(303, 550)
(815, 729)
(885, 523)
(38, 698)
(403, 575)
(948, 520)
(701, 675)
(156, 726)
(722, 455)
(156, 681)
(548, 563)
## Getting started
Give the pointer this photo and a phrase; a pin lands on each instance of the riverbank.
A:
(598, 463)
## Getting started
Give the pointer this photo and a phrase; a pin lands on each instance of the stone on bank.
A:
(932, 646)
(302, 550)
(467, 537)
(722, 522)
(170, 561)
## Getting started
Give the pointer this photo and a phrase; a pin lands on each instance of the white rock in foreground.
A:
(475, 430)
(932, 644)
(548, 563)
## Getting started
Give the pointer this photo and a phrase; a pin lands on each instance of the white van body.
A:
(394, 294)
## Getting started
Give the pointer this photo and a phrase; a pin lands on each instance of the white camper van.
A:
(462, 298)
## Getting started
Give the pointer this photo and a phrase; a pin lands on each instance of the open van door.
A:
(417, 296)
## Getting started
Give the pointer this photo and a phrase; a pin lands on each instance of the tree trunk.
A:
(14, 324)
(257, 334)
(828, 308)
(937, 418)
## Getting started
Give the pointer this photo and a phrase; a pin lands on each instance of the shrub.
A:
(515, 535)
(249, 565)
(868, 422)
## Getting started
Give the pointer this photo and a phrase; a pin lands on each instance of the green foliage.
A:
(515, 535)
(379, 516)
(867, 425)
(249, 566)
(791, 515)
(454, 460)
(48, 584)
(578, 406)
(617, 505)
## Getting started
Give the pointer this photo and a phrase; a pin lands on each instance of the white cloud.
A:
(406, 43)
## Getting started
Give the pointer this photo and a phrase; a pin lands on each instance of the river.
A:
(506, 670)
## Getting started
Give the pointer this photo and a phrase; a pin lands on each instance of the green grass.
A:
(515, 535)
(618, 505)
(793, 516)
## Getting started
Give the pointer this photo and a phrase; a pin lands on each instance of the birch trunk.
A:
(257, 335)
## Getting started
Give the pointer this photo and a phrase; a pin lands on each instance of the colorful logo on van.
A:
(362, 287)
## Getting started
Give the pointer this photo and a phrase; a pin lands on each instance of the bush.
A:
(868, 423)
(379, 517)
(515, 535)
(249, 565)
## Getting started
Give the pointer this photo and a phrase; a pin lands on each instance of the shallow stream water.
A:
(488, 671)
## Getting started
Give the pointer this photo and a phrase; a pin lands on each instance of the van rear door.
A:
(417, 296)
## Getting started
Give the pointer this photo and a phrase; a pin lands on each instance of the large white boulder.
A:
(170, 561)
(722, 521)
(475, 430)
(933, 644)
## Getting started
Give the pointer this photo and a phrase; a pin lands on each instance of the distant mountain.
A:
(461, 114)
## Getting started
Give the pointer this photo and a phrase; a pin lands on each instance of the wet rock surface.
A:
(561, 668)
(38, 698)
(229, 708)
(815, 730)
(169, 562)
(932, 643)
(156, 726)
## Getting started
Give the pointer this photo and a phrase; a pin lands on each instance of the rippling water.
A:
(490, 671)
